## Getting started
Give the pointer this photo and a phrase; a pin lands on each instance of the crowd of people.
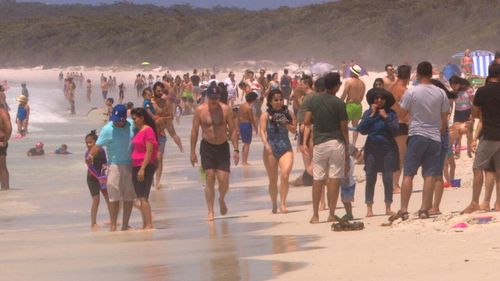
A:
(407, 128)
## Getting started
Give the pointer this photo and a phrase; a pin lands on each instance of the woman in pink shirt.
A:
(144, 153)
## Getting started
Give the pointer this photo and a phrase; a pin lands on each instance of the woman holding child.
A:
(381, 155)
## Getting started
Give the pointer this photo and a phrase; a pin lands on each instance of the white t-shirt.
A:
(425, 103)
(231, 87)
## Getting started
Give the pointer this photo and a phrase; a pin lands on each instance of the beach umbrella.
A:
(145, 63)
(321, 68)
(450, 70)
(481, 60)
(458, 55)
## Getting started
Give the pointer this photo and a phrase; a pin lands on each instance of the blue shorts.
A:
(423, 152)
(246, 132)
(162, 140)
(347, 193)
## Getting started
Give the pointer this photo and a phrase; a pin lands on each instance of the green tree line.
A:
(371, 32)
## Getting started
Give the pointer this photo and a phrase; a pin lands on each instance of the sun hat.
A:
(356, 69)
(119, 113)
(375, 92)
(22, 98)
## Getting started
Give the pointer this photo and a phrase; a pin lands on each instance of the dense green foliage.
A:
(372, 32)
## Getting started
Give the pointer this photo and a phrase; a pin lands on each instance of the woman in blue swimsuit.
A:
(275, 124)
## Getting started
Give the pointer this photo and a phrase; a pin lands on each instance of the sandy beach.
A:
(45, 229)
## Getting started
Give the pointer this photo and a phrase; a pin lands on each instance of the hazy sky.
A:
(247, 4)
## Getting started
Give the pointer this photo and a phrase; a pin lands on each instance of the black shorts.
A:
(215, 156)
(3, 150)
(142, 188)
(95, 186)
(491, 166)
(461, 116)
(403, 130)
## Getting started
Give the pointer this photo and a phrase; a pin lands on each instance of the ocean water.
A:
(45, 217)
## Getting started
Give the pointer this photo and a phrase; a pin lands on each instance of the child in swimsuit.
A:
(96, 177)
(23, 114)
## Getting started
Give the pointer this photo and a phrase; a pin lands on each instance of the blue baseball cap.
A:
(119, 113)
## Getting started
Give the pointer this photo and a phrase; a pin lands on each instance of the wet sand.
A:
(45, 226)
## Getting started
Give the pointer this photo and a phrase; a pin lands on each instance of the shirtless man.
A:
(390, 78)
(215, 119)
(187, 93)
(5, 133)
(247, 122)
(353, 95)
(104, 88)
(164, 113)
(397, 90)
(138, 84)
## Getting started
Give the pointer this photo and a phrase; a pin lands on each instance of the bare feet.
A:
(283, 209)
(433, 211)
(322, 206)
(314, 220)
(396, 190)
(94, 226)
(275, 208)
(470, 209)
(485, 207)
(210, 216)
(389, 212)
(112, 228)
(126, 228)
(331, 218)
(369, 213)
(223, 207)
(245, 164)
(148, 227)
(158, 186)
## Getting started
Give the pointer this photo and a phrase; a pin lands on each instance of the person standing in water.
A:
(353, 95)
(275, 124)
(96, 179)
(23, 115)
(215, 120)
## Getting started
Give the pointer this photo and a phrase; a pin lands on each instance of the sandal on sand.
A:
(423, 214)
(399, 215)
(345, 225)
(348, 217)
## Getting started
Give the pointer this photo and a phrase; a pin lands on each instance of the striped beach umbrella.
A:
(481, 60)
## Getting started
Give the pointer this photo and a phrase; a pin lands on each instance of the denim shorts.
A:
(424, 152)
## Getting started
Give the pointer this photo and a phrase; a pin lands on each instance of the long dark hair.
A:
(141, 112)
(270, 97)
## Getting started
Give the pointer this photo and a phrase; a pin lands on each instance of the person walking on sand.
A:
(275, 124)
(380, 123)
(5, 133)
(215, 120)
(330, 136)
(398, 90)
(144, 154)
(353, 95)
(246, 124)
(116, 137)
(428, 108)
(163, 110)
(486, 105)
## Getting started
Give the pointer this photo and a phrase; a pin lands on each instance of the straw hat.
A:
(356, 69)
(22, 98)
